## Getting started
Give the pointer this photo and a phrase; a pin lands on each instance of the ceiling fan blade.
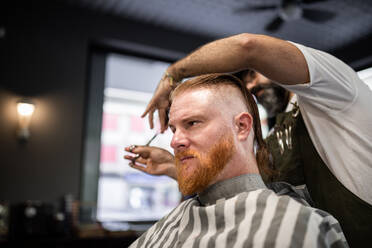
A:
(274, 24)
(317, 15)
(250, 8)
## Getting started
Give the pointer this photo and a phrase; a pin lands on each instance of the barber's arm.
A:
(152, 160)
(277, 59)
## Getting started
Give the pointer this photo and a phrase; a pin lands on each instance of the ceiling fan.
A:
(290, 10)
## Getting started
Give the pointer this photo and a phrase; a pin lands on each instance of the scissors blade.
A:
(153, 137)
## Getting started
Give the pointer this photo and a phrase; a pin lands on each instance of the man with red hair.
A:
(216, 136)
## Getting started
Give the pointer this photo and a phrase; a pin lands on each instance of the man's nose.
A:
(251, 84)
(179, 141)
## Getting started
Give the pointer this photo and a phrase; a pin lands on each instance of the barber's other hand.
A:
(160, 102)
(152, 160)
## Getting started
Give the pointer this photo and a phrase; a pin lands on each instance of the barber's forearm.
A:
(220, 56)
(278, 60)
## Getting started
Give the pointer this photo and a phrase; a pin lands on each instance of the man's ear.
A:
(243, 124)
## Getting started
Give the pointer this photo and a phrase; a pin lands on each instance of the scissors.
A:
(147, 144)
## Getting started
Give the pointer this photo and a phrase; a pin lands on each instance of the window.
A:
(126, 194)
(120, 86)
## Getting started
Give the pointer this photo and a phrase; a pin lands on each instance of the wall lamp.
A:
(25, 109)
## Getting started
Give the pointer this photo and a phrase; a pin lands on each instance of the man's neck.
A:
(236, 167)
(229, 188)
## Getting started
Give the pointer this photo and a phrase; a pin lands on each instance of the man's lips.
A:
(185, 158)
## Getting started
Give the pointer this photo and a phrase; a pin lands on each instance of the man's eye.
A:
(192, 123)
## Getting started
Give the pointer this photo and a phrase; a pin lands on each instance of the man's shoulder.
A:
(291, 201)
(276, 198)
(291, 206)
(295, 201)
(299, 193)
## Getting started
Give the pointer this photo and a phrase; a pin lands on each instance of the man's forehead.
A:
(211, 99)
(196, 100)
(198, 95)
(205, 95)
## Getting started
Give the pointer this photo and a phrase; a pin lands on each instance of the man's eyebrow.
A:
(189, 118)
(193, 117)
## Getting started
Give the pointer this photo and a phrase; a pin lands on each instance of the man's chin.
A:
(194, 181)
(189, 180)
(189, 166)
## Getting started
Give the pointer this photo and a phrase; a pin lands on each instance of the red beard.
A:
(207, 167)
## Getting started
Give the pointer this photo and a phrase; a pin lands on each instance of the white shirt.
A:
(337, 110)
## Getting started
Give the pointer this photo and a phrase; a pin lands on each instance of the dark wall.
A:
(357, 54)
(45, 56)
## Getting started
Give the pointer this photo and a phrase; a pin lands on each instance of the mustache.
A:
(187, 153)
(260, 87)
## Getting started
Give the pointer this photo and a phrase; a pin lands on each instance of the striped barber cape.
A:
(242, 212)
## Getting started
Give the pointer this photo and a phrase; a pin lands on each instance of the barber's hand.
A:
(152, 160)
(160, 102)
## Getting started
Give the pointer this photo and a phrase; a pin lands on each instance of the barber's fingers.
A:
(150, 106)
(139, 159)
(151, 118)
(146, 167)
(162, 119)
(128, 157)
(143, 151)
(138, 167)
(150, 109)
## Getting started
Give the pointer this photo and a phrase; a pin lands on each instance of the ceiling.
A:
(213, 19)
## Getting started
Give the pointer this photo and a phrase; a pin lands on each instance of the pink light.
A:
(137, 124)
(108, 154)
(109, 122)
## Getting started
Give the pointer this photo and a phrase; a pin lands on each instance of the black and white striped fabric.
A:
(242, 212)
